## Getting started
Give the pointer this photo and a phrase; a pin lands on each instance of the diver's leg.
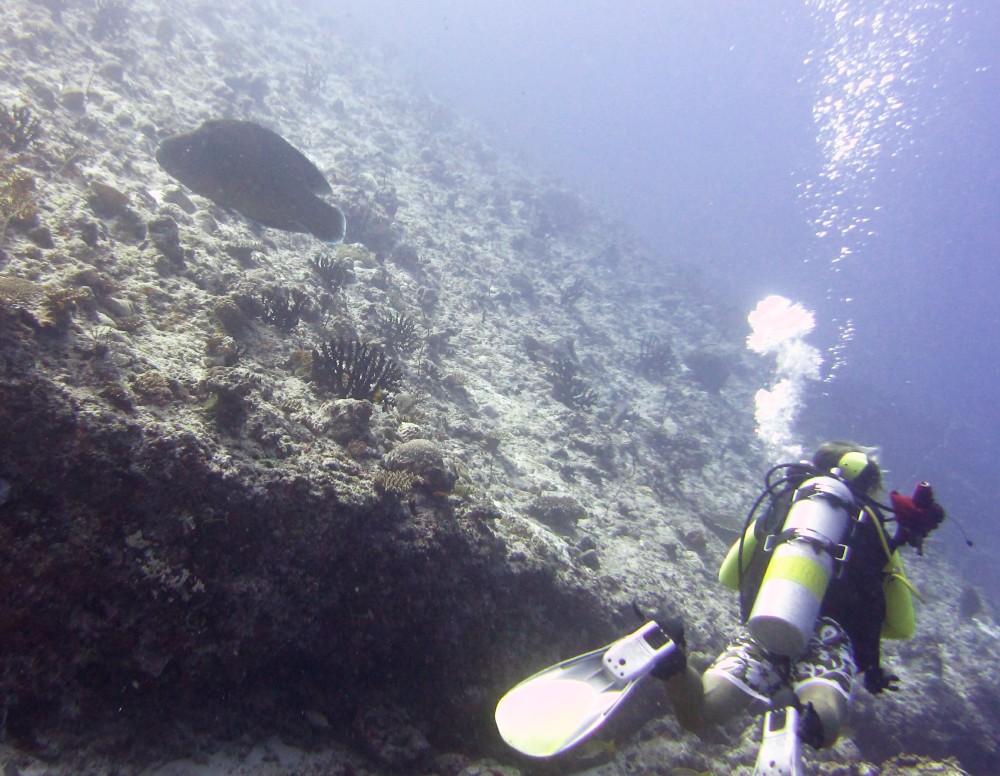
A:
(688, 698)
(708, 699)
(830, 703)
(723, 698)
(824, 676)
(738, 676)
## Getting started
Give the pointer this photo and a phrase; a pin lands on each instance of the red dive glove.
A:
(916, 516)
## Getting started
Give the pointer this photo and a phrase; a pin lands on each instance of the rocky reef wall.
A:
(203, 541)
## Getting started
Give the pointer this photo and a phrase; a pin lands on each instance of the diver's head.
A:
(856, 463)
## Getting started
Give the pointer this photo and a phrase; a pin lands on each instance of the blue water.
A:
(841, 153)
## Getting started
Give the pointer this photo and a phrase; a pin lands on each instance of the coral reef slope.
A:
(268, 503)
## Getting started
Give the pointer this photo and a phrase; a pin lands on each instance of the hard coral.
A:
(165, 235)
(349, 423)
(17, 197)
(59, 304)
(394, 483)
(18, 292)
(283, 308)
(559, 512)
(422, 459)
(354, 370)
(18, 128)
(398, 331)
(568, 387)
(914, 765)
(656, 357)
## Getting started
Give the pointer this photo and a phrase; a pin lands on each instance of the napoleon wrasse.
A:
(256, 172)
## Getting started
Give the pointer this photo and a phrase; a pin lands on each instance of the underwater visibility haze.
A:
(358, 361)
(841, 153)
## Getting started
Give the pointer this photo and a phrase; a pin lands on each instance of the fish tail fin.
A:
(323, 220)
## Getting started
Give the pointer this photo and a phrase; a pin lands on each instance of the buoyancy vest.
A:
(900, 616)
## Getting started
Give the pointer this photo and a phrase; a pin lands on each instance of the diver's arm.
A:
(729, 571)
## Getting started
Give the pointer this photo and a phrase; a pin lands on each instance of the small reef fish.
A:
(256, 172)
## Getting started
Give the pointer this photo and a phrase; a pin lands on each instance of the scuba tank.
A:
(802, 561)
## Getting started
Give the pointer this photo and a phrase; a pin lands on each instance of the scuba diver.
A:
(820, 581)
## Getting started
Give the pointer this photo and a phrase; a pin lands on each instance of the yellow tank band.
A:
(803, 571)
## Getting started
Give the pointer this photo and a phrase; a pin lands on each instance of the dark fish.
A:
(622, 410)
(250, 169)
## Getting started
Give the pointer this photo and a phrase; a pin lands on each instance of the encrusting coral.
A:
(396, 483)
(17, 196)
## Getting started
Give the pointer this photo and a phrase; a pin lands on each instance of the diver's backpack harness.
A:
(793, 474)
(827, 494)
(802, 557)
(803, 540)
(826, 488)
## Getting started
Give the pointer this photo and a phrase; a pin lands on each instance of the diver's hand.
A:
(878, 681)
(810, 729)
(673, 626)
(676, 662)
(916, 515)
